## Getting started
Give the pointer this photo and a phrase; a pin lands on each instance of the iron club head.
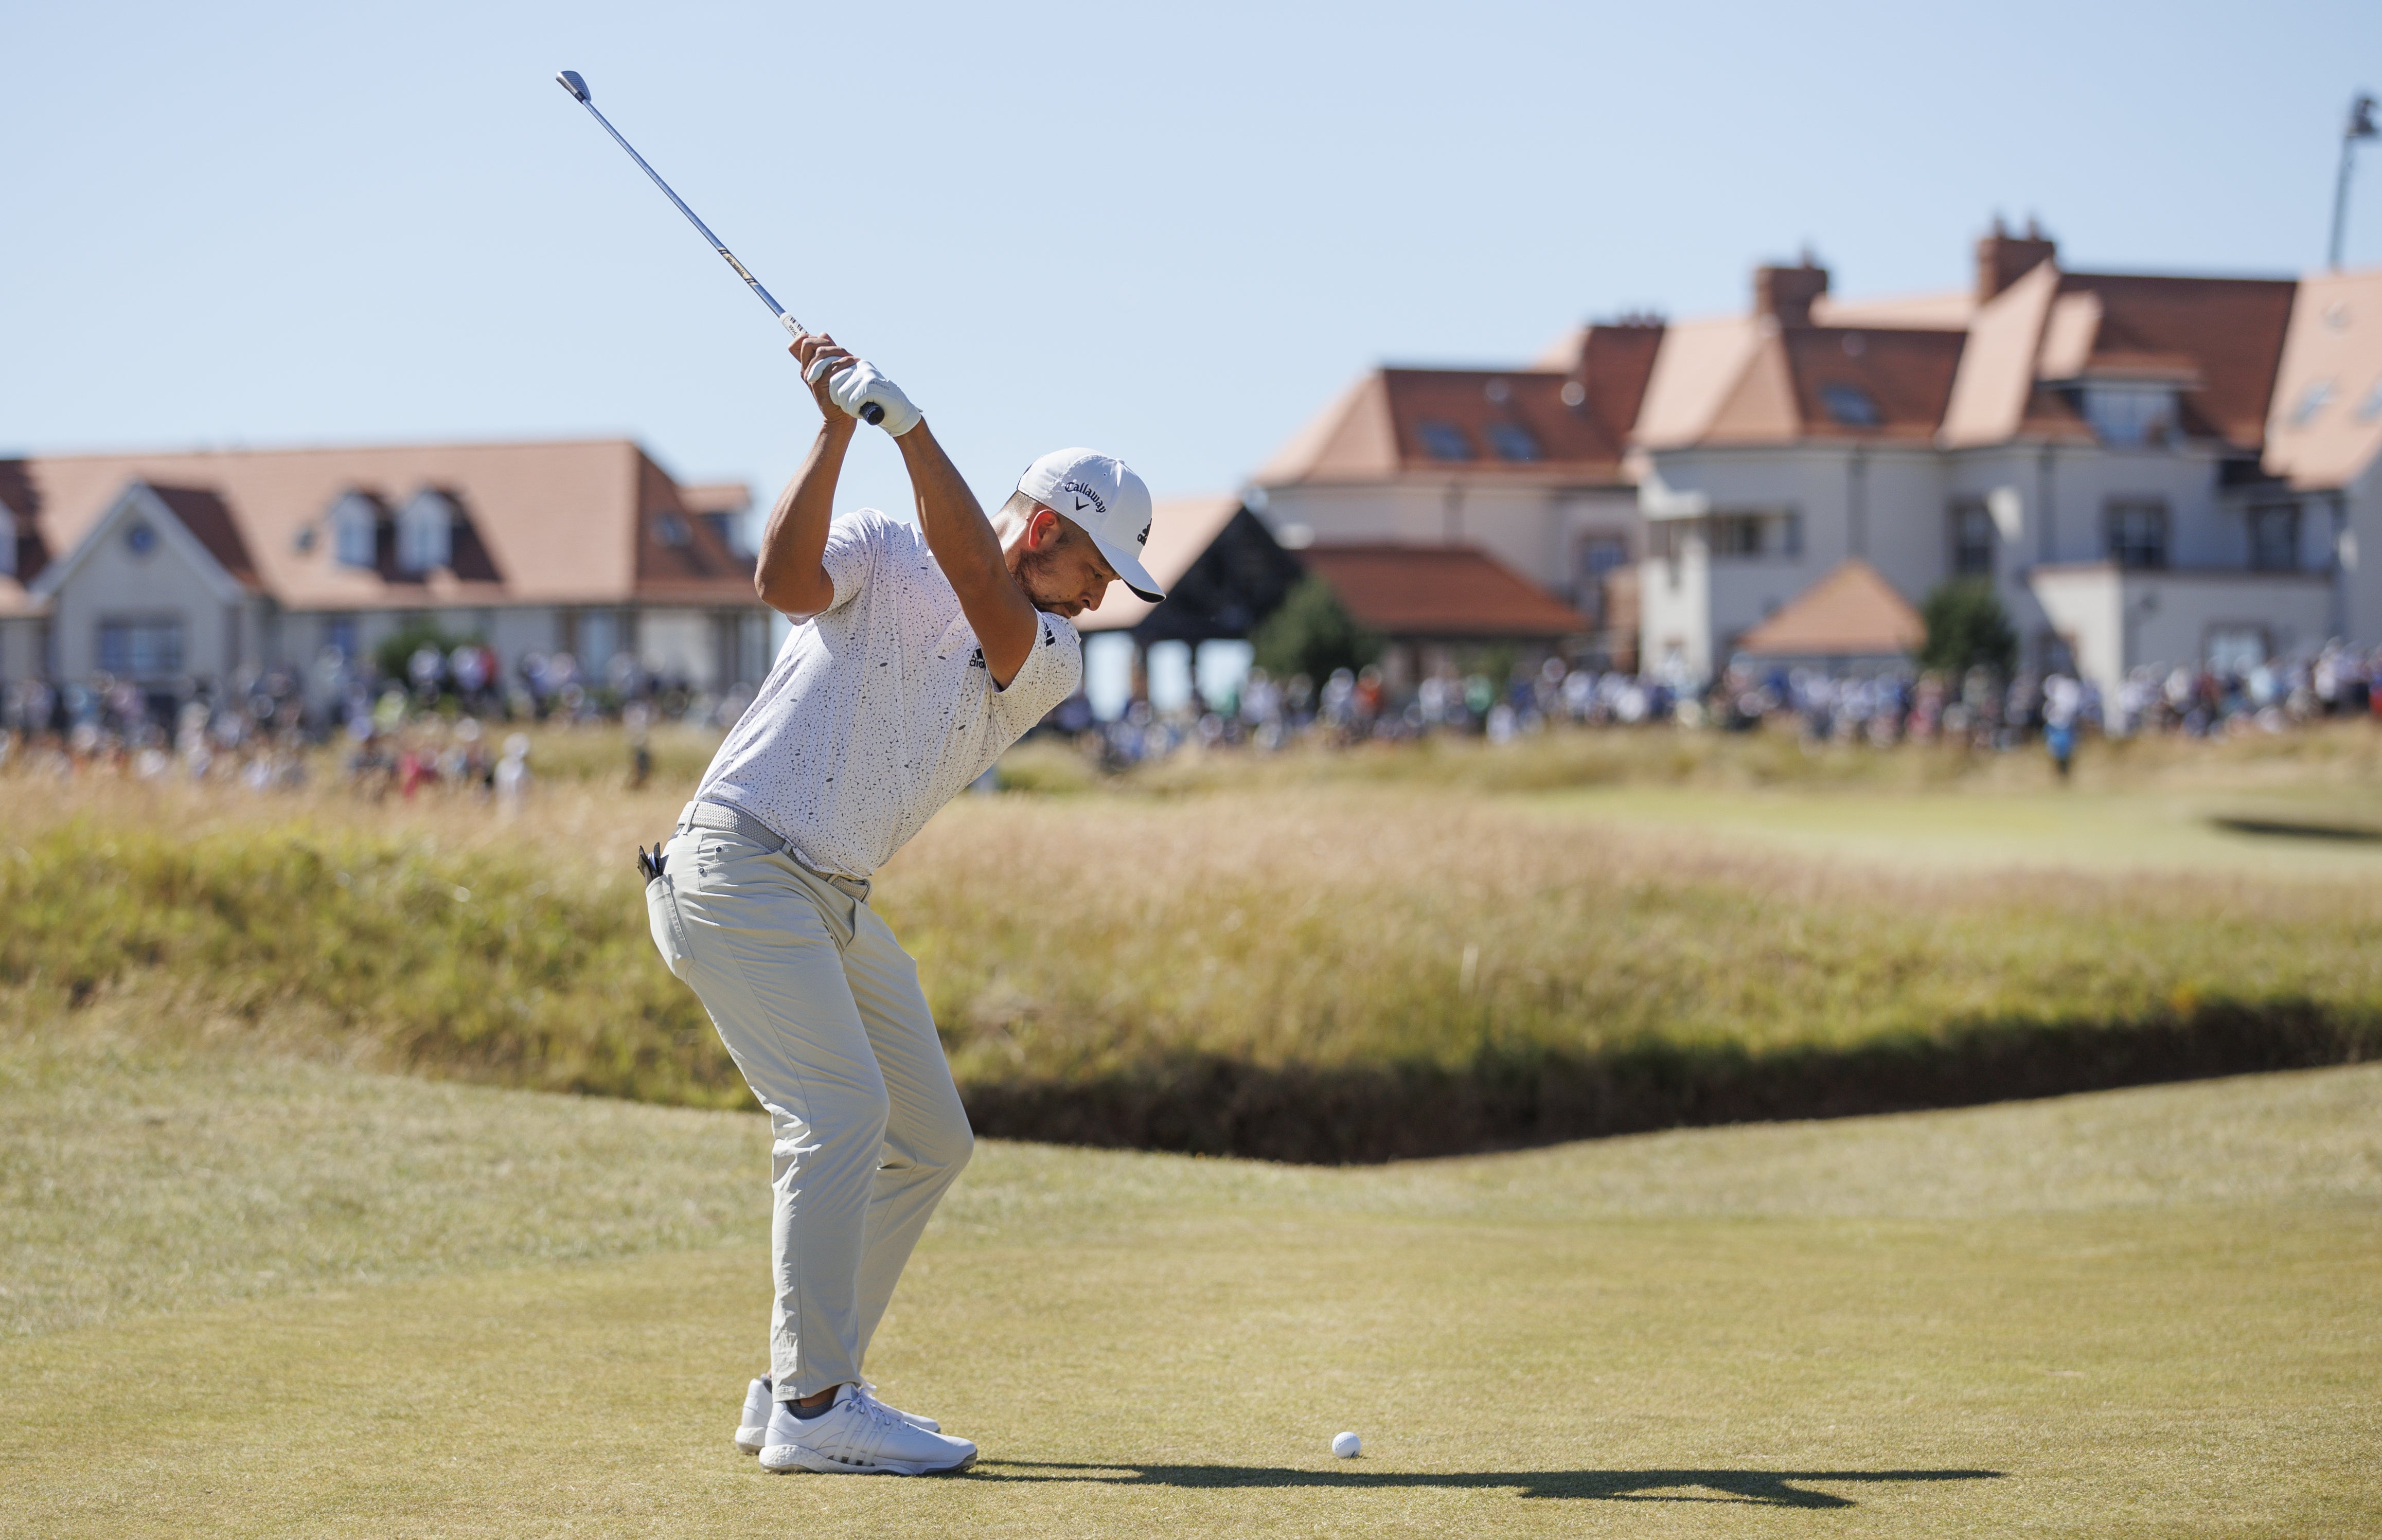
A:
(570, 81)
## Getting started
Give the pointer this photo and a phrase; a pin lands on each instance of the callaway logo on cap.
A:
(1107, 500)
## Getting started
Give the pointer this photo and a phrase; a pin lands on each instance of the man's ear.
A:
(1041, 529)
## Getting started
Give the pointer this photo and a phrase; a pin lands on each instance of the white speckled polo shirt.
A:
(881, 709)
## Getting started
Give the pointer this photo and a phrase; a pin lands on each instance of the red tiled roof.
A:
(1835, 381)
(2229, 330)
(203, 514)
(1982, 374)
(1503, 423)
(1438, 591)
(1615, 362)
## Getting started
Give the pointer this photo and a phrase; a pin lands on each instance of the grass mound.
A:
(1342, 975)
(485, 963)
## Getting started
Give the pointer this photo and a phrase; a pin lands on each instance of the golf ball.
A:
(1347, 1444)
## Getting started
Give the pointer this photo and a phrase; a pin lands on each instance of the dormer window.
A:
(2131, 416)
(1442, 440)
(425, 532)
(725, 525)
(8, 542)
(1849, 405)
(1511, 441)
(671, 530)
(355, 531)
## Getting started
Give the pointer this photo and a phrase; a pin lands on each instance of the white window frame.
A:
(2131, 414)
(425, 532)
(355, 531)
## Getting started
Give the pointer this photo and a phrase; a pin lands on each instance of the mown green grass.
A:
(2149, 1313)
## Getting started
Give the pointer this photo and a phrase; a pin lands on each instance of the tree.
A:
(1312, 634)
(1966, 629)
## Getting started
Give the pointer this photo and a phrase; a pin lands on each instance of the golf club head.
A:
(570, 81)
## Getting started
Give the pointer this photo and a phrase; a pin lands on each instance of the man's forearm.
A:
(788, 575)
(954, 521)
(969, 553)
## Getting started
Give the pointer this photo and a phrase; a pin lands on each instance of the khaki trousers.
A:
(820, 1008)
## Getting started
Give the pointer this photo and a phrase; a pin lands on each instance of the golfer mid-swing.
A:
(918, 656)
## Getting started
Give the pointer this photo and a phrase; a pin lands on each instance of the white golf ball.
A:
(1347, 1444)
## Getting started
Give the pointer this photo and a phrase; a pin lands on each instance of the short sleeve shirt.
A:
(881, 709)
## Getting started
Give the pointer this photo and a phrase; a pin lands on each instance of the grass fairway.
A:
(258, 1296)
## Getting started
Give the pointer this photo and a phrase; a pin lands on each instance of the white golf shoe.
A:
(859, 1435)
(753, 1424)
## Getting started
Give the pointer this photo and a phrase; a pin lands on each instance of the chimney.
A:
(2003, 259)
(1784, 294)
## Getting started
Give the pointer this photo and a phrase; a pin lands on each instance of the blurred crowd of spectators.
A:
(440, 727)
(1980, 707)
(263, 728)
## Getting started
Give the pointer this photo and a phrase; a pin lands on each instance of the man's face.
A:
(1060, 569)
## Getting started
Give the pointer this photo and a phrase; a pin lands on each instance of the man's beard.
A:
(1034, 576)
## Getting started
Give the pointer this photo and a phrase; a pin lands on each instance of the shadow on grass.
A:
(1335, 1114)
(1760, 1489)
(2290, 830)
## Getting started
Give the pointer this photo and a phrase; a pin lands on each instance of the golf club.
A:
(575, 84)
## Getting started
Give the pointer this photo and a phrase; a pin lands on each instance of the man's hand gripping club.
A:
(854, 386)
(789, 575)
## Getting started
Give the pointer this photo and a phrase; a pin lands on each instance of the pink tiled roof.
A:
(587, 521)
(2326, 423)
(1852, 611)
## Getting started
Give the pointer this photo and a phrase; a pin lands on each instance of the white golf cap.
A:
(1101, 493)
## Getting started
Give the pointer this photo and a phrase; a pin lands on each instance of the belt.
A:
(723, 817)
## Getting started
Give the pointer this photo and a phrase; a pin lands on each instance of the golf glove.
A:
(861, 385)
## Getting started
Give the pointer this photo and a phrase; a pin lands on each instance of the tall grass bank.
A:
(1350, 975)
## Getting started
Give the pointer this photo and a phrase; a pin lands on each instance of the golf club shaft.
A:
(717, 244)
(571, 82)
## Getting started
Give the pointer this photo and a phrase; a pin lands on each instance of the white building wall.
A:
(1892, 506)
(1674, 637)
(516, 633)
(1899, 527)
(680, 644)
(2118, 620)
(2085, 480)
(115, 582)
(2359, 553)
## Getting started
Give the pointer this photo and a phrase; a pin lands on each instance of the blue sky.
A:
(1170, 232)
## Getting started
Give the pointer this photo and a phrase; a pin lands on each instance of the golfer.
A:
(918, 655)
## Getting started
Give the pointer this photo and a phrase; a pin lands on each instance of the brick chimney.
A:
(2003, 259)
(1784, 294)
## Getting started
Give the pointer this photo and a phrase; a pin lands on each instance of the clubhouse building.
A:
(2150, 470)
(158, 570)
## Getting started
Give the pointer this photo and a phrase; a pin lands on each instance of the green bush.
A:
(1966, 629)
(1312, 634)
(396, 651)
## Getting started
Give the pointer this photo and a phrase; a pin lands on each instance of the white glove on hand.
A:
(858, 385)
